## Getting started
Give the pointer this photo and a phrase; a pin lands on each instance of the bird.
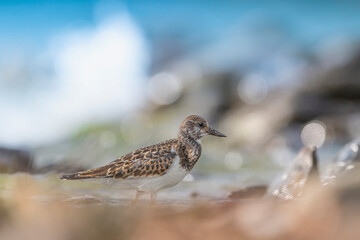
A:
(156, 167)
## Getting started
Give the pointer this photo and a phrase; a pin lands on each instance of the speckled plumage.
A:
(156, 161)
(149, 161)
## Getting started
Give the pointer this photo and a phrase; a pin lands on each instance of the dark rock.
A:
(15, 160)
(249, 192)
(194, 195)
(330, 94)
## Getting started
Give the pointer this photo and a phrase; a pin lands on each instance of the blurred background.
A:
(84, 82)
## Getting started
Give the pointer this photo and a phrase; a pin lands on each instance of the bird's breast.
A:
(176, 172)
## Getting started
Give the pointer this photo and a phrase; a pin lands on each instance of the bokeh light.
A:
(314, 134)
(253, 89)
(164, 88)
(233, 160)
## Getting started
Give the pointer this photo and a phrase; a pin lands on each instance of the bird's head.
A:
(197, 127)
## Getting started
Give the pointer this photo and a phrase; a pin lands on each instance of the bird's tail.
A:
(92, 173)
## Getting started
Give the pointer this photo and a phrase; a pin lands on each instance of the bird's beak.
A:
(213, 132)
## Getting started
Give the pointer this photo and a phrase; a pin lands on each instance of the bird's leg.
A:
(153, 197)
(138, 194)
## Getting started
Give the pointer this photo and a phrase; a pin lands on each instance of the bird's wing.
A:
(148, 161)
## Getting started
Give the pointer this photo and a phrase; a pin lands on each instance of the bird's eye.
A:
(201, 124)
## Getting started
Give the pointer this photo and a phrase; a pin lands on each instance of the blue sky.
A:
(30, 23)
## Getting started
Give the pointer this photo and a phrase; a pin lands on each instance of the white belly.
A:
(172, 177)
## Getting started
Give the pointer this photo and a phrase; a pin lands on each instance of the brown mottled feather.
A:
(153, 160)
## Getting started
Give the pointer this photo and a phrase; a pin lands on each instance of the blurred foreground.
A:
(301, 204)
(31, 208)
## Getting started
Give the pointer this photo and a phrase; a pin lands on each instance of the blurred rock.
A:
(194, 195)
(340, 82)
(83, 200)
(292, 183)
(15, 160)
(332, 95)
(347, 159)
(249, 192)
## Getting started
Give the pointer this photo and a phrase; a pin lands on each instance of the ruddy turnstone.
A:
(152, 168)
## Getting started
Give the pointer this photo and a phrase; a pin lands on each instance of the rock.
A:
(292, 183)
(347, 159)
(194, 195)
(83, 200)
(15, 160)
(249, 192)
